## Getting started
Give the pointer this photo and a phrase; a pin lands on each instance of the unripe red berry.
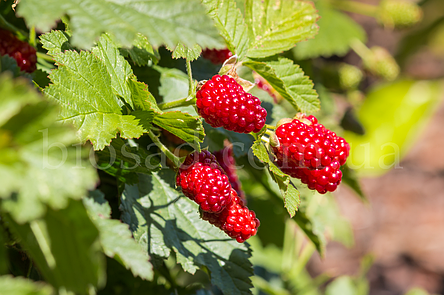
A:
(22, 52)
(204, 181)
(237, 220)
(310, 152)
(222, 102)
(227, 162)
(217, 56)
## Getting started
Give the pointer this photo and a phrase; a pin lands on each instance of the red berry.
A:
(237, 220)
(310, 152)
(22, 52)
(204, 181)
(227, 162)
(222, 102)
(217, 56)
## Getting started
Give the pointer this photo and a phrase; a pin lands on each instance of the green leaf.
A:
(288, 190)
(41, 165)
(118, 68)
(83, 88)
(22, 286)
(162, 22)
(124, 159)
(141, 53)
(55, 42)
(65, 246)
(231, 25)
(163, 220)
(182, 125)
(116, 238)
(189, 53)
(288, 80)
(408, 106)
(174, 84)
(141, 98)
(329, 41)
(276, 26)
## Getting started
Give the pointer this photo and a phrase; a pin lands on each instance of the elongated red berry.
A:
(222, 102)
(204, 181)
(22, 52)
(227, 162)
(237, 220)
(307, 150)
(217, 56)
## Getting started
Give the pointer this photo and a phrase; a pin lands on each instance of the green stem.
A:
(187, 101)
(44, 56)
(361, 49)
(5, 24)
(32, 40)
(191, 88)
(176, 160)
(355, 7)
(270, 127)
(269, 132)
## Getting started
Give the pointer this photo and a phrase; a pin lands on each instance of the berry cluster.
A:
(307, 150)
(203, 180)
(22, 52)
(222, 102)
(217, 56)
(227, 162)
(236, 220)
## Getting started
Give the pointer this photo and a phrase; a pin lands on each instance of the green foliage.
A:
(328, 42)
(67, 216)
(231, 25)
(163, 220)
(276, 26)
(182, 125)
(287, 189)
(189, 53)
(162, 22)
(116, 238)
(40, 163)
(64, 245)
(22, 286)
(408, 107)
(289, 81)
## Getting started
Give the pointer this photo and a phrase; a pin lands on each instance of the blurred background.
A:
(393, 116)
(403, 224)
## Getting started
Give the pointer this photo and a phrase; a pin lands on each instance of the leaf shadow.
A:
(222, 260)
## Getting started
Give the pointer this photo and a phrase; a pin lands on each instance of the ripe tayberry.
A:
(222, 102)
(217, 56)
(22, 52)
(307, 150)
(237, 220)
(227, 162)
(204, 181)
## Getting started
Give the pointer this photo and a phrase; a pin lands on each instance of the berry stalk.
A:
(187, 101)
(176, 160)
